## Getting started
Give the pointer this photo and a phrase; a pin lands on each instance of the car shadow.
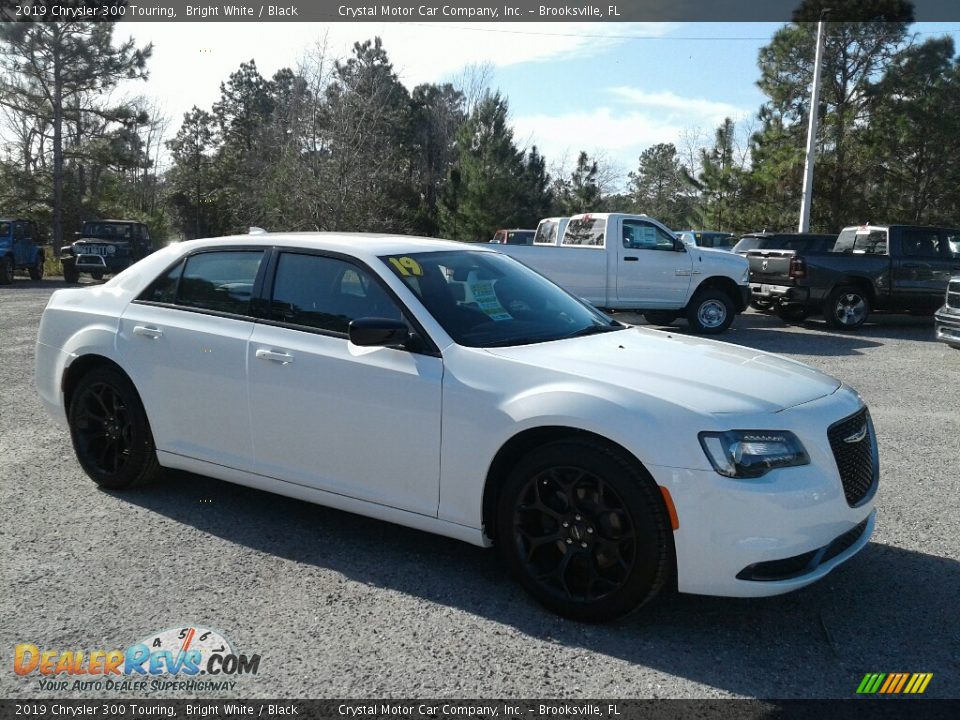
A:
(887, 610)
(813, 337)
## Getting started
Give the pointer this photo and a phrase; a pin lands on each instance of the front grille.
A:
(953, 294)
(852, 442)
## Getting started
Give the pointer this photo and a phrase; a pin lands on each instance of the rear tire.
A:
(6, 270)
(660, 317)
(710, 312)
(97, 274)
(761, 305)
(847, 308)
(110, 432)
(36, 271)
(584, 530)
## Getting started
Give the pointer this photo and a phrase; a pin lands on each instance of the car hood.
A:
(703, 375)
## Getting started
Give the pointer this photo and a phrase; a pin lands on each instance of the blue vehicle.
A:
(19, 249)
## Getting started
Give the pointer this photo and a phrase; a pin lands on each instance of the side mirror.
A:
(679, 246)
(377, 332)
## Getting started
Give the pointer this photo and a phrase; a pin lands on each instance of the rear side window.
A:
(922, 243)
(519, 237)
(862, 241)
(215, 281)
(219, 281)
(585, 231)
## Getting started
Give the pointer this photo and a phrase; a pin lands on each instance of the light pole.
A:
(812, 129)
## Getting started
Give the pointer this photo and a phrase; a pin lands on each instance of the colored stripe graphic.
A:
(894, 683)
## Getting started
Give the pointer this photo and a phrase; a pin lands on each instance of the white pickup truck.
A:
(632, 262)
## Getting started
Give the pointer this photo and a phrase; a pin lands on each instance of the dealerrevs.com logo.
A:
(186, 658)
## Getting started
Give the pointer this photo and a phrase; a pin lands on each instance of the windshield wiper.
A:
(594, 330)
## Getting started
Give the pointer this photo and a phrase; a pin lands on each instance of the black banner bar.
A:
(460, 11)
(381, 709)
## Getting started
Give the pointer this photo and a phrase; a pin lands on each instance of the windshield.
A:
(121, 232)
(485, 299)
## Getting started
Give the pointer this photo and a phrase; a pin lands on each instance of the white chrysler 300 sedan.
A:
(452, 389)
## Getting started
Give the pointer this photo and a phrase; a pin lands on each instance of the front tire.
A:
(847, 308)
(36, 271)
(710, 312)
(70, 272)
(110, 432)
(584, 530)
(6, 270)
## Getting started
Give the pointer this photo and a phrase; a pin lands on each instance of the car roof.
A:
(108, 220)
(350, 243)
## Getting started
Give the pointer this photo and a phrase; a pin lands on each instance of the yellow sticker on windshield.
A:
(406, 266)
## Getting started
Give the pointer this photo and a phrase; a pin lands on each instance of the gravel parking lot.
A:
(343, 606)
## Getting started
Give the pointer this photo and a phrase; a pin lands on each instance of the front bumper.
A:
(947, 326)
(776, 533)
(97, 263)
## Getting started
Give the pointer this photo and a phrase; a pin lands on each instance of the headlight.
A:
(752, 453)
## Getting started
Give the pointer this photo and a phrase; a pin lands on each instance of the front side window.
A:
(484, 299)
(326, 293)
(921, 243)
(640, 235)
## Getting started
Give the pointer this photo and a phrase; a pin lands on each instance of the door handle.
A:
(280, 357)
(630, 258)
(683, 272)
(150, 332)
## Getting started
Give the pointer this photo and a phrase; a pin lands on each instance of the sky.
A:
(611, 89)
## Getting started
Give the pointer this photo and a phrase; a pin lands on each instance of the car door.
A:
(923, 269)
(363, 422)
(20, 244)
(183, 342)
(653, 269)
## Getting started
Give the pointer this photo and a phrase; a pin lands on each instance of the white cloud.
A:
(704, 111)
(620, 131)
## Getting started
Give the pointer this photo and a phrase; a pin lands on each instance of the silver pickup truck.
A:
(632, 262)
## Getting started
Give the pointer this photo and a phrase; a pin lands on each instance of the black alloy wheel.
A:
(585, 531)
(110, 432)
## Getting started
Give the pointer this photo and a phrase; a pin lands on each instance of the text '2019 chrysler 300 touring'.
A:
(452, 389)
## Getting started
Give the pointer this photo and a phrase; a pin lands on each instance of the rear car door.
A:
(363, 422)
(654, 270)
(184, 344)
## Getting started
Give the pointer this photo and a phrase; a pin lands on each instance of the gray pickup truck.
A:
(892, 268)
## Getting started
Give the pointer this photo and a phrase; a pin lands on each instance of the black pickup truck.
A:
(893, 268)
(769, 257)
(105, 247)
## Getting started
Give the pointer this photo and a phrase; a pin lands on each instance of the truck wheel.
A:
(110, 432)
(97, 274)
(847, 308)
(761, 305)
(70, 272)
(793, 313)
(584, 530)
(710, 312)
(36, 270)
(660, 317)
(6, 270)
